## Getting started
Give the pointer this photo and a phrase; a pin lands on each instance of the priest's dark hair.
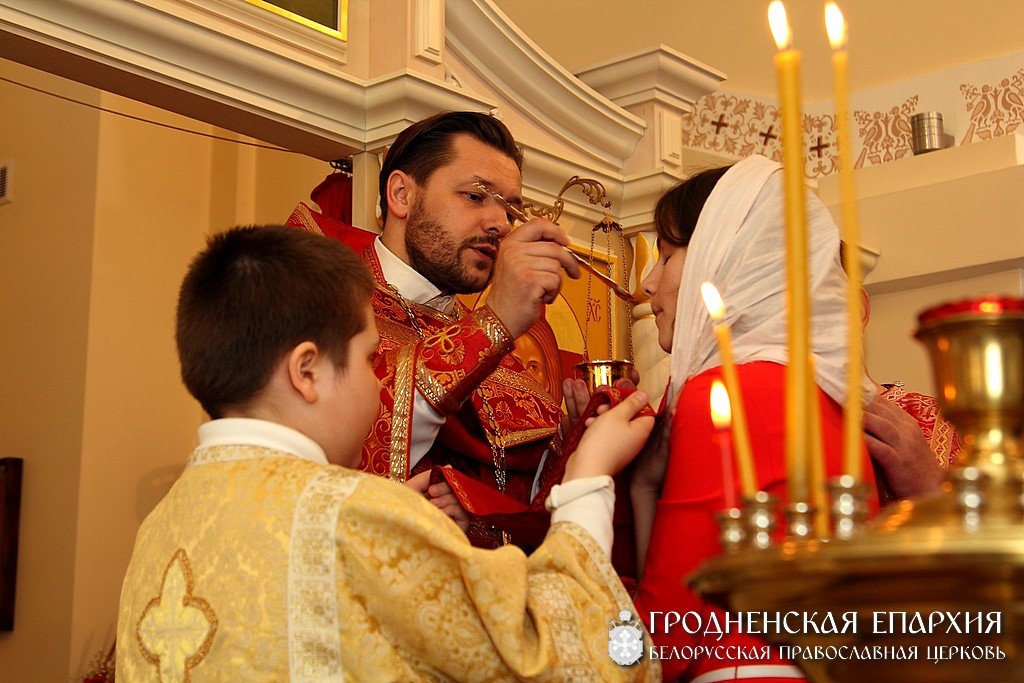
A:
(253, 295)
(426, 145)
(677, 211)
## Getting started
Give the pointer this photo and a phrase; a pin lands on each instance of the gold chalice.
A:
(977, 355)
(599, 373)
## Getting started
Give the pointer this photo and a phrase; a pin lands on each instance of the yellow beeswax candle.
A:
(741, 436)
(853, 423)
(787, 66)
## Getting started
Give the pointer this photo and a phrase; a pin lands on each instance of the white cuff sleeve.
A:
(426, 423)
(589, 502)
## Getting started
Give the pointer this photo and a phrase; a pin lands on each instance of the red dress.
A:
(685, 533)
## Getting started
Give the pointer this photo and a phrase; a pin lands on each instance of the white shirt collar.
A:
(244, 431)
(409, 282)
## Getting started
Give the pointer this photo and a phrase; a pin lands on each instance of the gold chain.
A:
(496, 441)
(408, 311)
(608, 260)
(586, 321)
(494, 438)
(629, 308)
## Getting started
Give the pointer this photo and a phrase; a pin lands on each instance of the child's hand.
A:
(442, 496)
(419, 483)
(612, 439)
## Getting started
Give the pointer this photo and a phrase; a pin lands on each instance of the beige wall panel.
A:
(45, 263)
(892, 352)
(283, 180)
(944, 226)
(152, 211)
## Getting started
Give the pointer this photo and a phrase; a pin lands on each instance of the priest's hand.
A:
(528, 273)
(612, 439)
(906, 466)
(577, 396)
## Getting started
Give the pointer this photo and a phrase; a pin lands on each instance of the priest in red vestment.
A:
(451, 393)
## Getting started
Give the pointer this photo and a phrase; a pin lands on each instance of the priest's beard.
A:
(435, 255)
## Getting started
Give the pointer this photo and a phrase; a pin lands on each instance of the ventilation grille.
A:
(5, 195)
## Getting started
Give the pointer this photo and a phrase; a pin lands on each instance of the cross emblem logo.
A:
(176, 629)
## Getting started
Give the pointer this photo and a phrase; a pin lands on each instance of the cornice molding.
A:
(502, 55)
(228, 63)
(657, 73)
(214, 61)
(399, 99)
(640, 192)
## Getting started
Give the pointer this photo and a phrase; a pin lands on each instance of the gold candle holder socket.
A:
(760, 513)
(732, 529)
(800, 520)
(848, 504)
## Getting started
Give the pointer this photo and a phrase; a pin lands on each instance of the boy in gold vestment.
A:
(270, 559)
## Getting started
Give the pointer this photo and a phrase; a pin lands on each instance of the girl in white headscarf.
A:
(726, 227)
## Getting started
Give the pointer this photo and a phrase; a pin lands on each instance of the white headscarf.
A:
(739, 245)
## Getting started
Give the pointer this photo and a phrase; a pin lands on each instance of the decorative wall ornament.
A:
(451, 77)
(820, 148)
(983, 100)
(885, 135)
(734, 125)
(739, 126)
(994, 110)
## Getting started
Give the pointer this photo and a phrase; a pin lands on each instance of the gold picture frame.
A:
(340, 31)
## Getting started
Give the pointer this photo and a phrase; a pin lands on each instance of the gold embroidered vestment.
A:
(261, 566)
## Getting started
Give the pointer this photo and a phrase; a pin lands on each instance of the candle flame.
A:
(721, 411)
(779, 24)
(712, 301)
(835, 25)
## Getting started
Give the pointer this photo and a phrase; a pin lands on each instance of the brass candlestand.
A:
(956, 557)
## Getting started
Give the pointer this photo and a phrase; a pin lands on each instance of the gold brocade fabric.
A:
(260, 566)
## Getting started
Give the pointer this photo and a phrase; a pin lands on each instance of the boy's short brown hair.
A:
(254, 294)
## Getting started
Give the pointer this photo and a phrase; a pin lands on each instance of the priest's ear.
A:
(400, 191)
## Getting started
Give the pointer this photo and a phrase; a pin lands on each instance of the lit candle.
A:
(741, 437)
(853, 427)
(787, 63)
(721, 417)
